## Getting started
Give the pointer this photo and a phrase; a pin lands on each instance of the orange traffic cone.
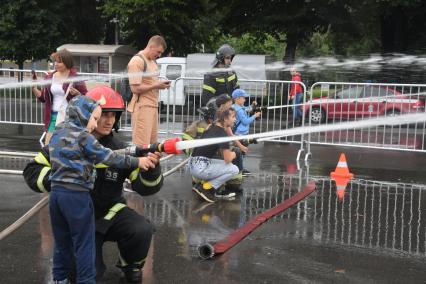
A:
(341, 176)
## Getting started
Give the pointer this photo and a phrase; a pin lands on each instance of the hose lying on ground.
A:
(39, 205)
(24, 218)
(207, 251)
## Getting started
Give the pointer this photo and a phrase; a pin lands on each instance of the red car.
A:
(358, 102)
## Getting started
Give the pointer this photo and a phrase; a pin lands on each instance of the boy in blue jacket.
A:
(243, 119)
(73, 153)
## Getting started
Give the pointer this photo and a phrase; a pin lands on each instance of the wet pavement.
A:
(376, 235)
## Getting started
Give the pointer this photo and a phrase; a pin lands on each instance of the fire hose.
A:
(207, 251)
(175, 146)
(39, 205)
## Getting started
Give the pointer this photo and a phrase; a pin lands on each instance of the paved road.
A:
(377, 234)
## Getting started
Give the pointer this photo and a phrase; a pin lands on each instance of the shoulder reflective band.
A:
(40, 179)
(121, 260)
(232, 77)
(114, 210)
(124, 263)
(208, 88)
(41, 159)
(134, 174)
(200, 129)
(186, 136)
(220, 80)
(101, 166)
(140, 261)
(150, 183)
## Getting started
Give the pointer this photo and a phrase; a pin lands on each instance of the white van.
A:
(172, 68)
(247, 67)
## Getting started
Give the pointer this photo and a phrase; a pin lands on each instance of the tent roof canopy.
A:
(98, 49)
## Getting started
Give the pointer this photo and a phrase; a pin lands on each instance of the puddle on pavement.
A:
(373, 214)
(384, 218)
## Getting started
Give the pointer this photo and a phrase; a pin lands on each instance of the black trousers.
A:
(132, 233)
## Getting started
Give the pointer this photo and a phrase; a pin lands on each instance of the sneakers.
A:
(133, 273)
(246, 173)
(210, 195)
(224, 193)
(206, 194)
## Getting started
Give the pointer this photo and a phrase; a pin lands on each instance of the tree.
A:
(33, 29)
(297, 20)
(30, 32)
(82, 21)
(378, 26)
(182, 22)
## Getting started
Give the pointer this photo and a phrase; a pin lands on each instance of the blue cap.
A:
(239, 93)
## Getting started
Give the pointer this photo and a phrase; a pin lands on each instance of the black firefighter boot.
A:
(132, 272)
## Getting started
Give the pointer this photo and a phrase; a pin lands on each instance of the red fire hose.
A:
(207, 251)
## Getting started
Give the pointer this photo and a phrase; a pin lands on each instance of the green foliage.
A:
(32, 29)
(282, 28)
(298, 20)
(251, 44)
(319, 44)
(83, 21)
(183, 23)
(28, 32)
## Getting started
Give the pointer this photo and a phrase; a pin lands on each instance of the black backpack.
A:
(125, 91)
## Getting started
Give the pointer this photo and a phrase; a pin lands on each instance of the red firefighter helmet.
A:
(109, 100)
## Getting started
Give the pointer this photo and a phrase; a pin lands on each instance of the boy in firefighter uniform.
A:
(114, 220)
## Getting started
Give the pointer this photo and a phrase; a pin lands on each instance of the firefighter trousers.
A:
(132, 233)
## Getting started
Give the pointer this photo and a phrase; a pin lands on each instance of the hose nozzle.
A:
(206, 251)
(169, 146)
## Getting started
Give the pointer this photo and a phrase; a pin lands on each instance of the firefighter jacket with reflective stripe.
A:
(194, 131)
(218, 83)
(108, 188)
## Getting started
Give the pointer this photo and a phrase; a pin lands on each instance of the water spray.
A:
(397, 120)
(372, 62)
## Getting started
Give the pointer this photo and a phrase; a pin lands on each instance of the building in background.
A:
(99, 58)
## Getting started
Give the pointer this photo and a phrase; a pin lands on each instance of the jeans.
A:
(297, 100)
(73, 227)
(215, 171)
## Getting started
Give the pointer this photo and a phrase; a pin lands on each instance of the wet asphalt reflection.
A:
(376, 234)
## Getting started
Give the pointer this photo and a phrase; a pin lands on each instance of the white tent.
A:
(100, 58)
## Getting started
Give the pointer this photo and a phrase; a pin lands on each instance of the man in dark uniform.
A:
(222, 81)
(115, 221)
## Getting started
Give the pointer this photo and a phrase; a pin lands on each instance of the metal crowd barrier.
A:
(179, 103)
(326, 103)
(18, 105)
(334, 103)
(386, 217)
(271, 95)
(381, 215)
